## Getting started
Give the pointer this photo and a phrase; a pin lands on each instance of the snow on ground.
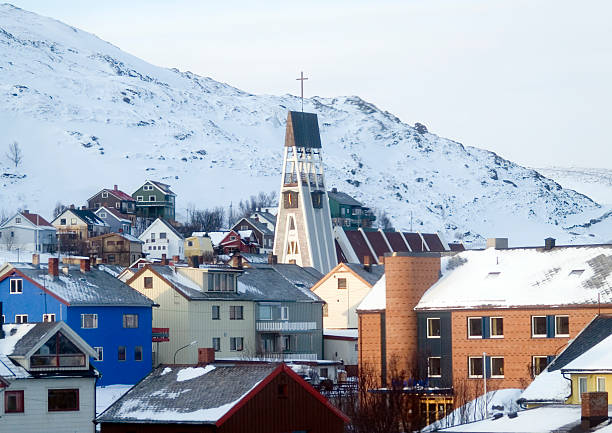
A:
(475, 409)
(107, 395)
(548, 386)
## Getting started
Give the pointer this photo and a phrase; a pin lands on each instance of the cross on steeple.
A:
(301, 80)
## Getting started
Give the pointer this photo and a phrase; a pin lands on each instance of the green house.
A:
(155, 200)
(348, 212)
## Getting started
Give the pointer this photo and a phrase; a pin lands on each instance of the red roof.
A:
(36, 219)
(396, 241)
(378, 243)
(433, 242)
(359, 245)
(120, 194)
(415, 242)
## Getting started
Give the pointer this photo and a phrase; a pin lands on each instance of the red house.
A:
(232, 241)
(268, 398)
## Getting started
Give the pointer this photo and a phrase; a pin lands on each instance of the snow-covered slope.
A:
(594, 182)
(88, 115)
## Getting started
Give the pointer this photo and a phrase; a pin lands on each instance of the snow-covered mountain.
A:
(88, 115)
(594, 182)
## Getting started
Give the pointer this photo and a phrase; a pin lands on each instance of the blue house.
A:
(110, 316)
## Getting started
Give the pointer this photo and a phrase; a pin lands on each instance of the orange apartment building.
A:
(499, 313)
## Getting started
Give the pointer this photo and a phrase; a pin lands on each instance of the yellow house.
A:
(343, 289)
(198, 246)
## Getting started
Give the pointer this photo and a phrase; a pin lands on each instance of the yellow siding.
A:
(342, 302)
(591, 386)
(201, 246)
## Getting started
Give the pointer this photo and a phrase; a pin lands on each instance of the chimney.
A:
(26, 212)
(367, 261)
(53, 266)
(381, 260)
(65, 270)
(206, 355)
(36, 259)
(549, 243)
(115, 188)
(335, 190)
(497, 243)
(176, 259)
(164, 260)
(594, 409)
(99, 260)
(72, 206)
(272, 259)
(85, 265)
(83, 207)
(1, 322)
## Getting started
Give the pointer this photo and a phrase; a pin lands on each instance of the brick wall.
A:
(370, 336)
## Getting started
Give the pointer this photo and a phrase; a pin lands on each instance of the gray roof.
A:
(95, 287)
(268, 216)
(186, 394)
(88, 216)
(343, 198)
(34, 335)
(163, 186)
(304, 131)
(261, 227)
(371, 274)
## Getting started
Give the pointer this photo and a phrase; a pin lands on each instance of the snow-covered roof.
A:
(377, 298)
(522, 277)
(187, 394)
(598, 358)
(215, 237)
(345, 333)
(13, 333)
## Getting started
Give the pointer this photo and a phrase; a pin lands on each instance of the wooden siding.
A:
(591, 386)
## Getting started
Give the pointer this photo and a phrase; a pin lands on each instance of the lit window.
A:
(433, 327)
(13, 401)
(130, 320)
(497, 366)
(474, 327)
(538, 326)
(475, 367)
(89, 321)
(16, 286)
(433, 367)
(63, 400)
(539, 364)
(497, 327)
(561, 326)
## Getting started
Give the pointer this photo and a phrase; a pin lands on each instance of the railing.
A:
(287, 355)
(46, 361)
(285, 326)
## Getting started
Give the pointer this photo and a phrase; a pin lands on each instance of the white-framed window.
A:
(48, 317)
(152, 237)
(102, 214)
(139, 198)
(104, 194)
(601, 384)
(497, 366)
(117, 205)
(216, 343)
(89, 321)
(265, 312)
(434, 366)
(130, 320)
(62, 221)
(433, 327)
(538, 326)
(18, 220)
(16, 286)
(151, 198)
(284, 313)
(73, 221)
(474, 327)
(100, 353)
(561, 326)
(475, 366)
(162, 235)
(539, 363)
(236, 344)
(148, 187)
(497, 327)
(216, 312)
(21, 318)
(582, 387)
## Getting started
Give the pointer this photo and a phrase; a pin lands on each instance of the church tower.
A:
(303, 224)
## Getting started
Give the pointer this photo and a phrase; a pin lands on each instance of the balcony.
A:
(276, 356)
(284, 326)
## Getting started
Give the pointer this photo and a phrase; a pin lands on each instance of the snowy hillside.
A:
(88, 115)
(594, 182)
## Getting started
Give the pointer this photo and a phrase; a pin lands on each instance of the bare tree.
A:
(14, 154)
(58, 209)
(262, 199)
(382, 219)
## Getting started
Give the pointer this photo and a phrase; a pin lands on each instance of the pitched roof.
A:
(115, 212)
(371, 274)
(87, 216)
(522, 277)
(36, 219)
(95, 287)
(32, 337)
(119, 194)
(125, 236)
(280, 282)
(266, 215)
(261, 227)
(343, 198)
(376, 299)
(302, 130)
(164, 222)
(165, 188)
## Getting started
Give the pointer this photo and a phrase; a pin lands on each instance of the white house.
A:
(46, 380)
(161, 238)
(28, 231)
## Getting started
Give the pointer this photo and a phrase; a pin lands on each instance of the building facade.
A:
(116, 248)
(28, 231)
(155, 200)
(162, 240)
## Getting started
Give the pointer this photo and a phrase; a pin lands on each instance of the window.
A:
(236, 344)
(317, 199)
(497, 327)
(57, 351)
(236, 312)
(151, 198)
(162, 235)
(497, 366)
(110, 258)
(100, 353)
(13, 401)
(474, 327)
(265, 312)
(148, 187)
(433, 366)
(16, 286)
(104, 194)
(148, 282)
(341, 283)
(582, 387)
(286, 343)
(539, 364)
(48, 317)
(73, 221)
(18, 220)
(138, 353)
(601, 384)
(189, 243)
(89, 321)
(538, 326)
(433, 327)
(102, 214)
(139, 198)
(284, 313)
(63, 400)
(475, 367)
(290, 199)
(121, 353)
(21, 318)
(117, 205)
(325, 310)
(152, 237)
(561, 326)
(216, 312)
(130, 320)
(63, 221)
(216, 344)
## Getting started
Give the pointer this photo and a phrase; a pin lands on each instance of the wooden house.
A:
(222, 398)
(116, 248)
(28, 231)
(47, 382)
(263, 235)
(113, 198)
(228, 242)
(198, 246)
(118, 222)
(155, 200)
(348, 212)
(161, 239)
(264, 216)
(74, 227)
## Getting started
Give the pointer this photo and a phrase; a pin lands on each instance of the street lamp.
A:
(181, 348)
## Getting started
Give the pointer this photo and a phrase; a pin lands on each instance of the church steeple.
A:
(303, 226)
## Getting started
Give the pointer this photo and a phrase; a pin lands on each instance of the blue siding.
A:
(110, 333)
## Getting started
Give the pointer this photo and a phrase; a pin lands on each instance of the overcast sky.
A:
(530, 80)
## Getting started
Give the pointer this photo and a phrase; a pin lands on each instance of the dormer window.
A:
(221, 282)
(148, 188)
(58, 351)
(576, 272)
